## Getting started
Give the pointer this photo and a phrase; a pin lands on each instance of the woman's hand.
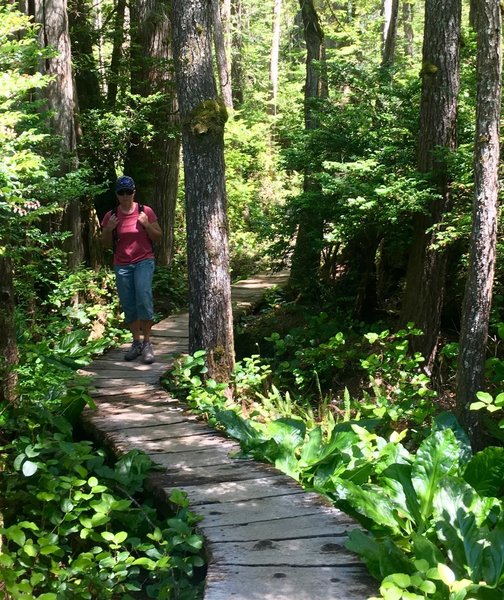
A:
(112, 223)
(143, 219)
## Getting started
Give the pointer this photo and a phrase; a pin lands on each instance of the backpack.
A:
(114, 232)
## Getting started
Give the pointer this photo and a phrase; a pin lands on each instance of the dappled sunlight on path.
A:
(265, 537)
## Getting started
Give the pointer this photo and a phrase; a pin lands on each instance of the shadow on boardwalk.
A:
(266, 538)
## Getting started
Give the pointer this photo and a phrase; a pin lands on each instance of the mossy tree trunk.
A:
(482, 255)
(203, 118)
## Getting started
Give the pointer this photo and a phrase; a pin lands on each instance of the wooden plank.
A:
(305, 552)
(187, 442)
(138, 419)
(103, 366)
(306, 526)
(263, 509)
(140, 388)
(133, 378)
(245, 470)
(166, 431)
(238, 582)
(186, 459)
(235, 491)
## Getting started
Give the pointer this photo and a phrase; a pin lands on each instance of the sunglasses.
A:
(125, 192)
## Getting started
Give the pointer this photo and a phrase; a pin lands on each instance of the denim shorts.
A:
(134, 286)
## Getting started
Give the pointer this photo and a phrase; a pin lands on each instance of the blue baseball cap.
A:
(124, 183)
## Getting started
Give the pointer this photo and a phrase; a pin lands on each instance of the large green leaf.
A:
(493, 557)
(371, 502)
(237, 427)
(382, 557)
(436, 457)
(485, 472)
(455, 509)
(447, 420)
(288, 432)
(396, 479)
(315, 451)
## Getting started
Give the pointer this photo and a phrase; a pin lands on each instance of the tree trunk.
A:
(221, 56)
(8, 344)
(237, 70)
(86, 73)
(59, 95)
(275, 52)
(425, 279)
(473, 13)
(478, 291)
(407, 16)
(89, 96)
(391, 14)
(155, 164)
(305, 268)
(115, 59)
(203, 118)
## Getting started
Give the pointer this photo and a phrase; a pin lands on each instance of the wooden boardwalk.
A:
(266, 539)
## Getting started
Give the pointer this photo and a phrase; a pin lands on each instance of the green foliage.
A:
(433, 510)
(74, 526)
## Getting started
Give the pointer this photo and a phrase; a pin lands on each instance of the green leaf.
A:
(145, 562)
(397, 480)
(50, 549)
(120, 537)
(288, 432)
(369, 500)
(195, 541)
(456, 507)
(436, 457)
(30, 549)
(493, 556)
(16, 534)
(237, 427)
(485, 471)
(179, 498)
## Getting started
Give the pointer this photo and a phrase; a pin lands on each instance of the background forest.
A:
(361, 146)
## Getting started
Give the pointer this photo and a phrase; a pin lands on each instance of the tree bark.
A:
(482, 255)
(391, 14)
(407, 17)
(237, 70)
(425, 279)
(59, 95)
(221, 55)
(8, 344)
(203, 118)
(305, 267)
(115, 59)
(275, 52)
(86, 72)
(154, 164)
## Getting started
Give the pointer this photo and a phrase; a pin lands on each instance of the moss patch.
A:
(208, 117)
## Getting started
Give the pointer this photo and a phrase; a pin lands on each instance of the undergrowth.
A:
(379, 449)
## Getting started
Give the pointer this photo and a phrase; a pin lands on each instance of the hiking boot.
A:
(134, 351)
(147, 353)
